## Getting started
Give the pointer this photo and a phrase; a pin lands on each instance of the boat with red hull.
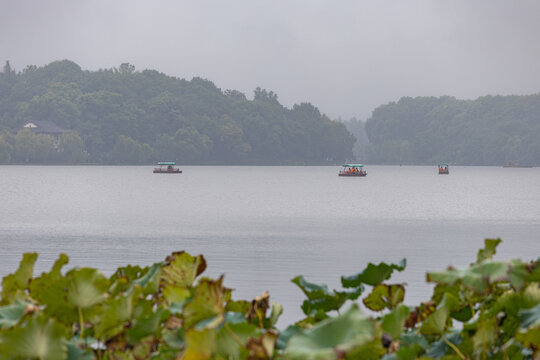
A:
(443, 169)
(167, 167)
(353, 170)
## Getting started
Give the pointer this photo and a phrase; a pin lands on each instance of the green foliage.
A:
(125, 116)
(491, 130)
(490, 309)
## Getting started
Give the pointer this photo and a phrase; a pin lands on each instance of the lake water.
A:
(262, 226)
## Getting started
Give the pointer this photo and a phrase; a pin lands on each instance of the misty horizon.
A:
(344, 58)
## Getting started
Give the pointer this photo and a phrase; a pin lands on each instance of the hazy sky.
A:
(345, 57)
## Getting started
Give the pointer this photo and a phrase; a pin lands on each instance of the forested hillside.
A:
(490, 130)
(124, 116)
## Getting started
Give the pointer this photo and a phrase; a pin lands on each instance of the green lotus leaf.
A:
(239, 306)
(529, 338)
(534, 271)
(123, 278)
(341, 334)
(530, 317)
(477, 277)
(385, 296)
(74, 352)
(208, 303)
(11, 314)
(462, 314)
(37, 337)
(181, 269)
(486, 334)
(117, 311)
(285, 335)
(435, 324)
(150, 280)
(518, 274)
(14, 284)
(311, 290)
(86, 287)
(175, 338)
(412, 338)
(392, 323)
(232, 338)
(320, 298)
(410, 352)
(175, 294)
(40, 285)
(200, 345)
(490, 249)
(146, 325)
(373, 274)
(72, 296)
(370, 351)
(439, 348)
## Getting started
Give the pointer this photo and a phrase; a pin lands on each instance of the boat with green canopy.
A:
(167, 167)
(353, 170)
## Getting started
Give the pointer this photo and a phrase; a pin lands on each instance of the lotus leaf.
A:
(119, 310)
(490, 249)
(208, 303)
(530, 317)
(15, 283)
(436, 322)
(74, 352)
(86, 287)
(343, 333)
(385, 296)
(11, 314)
(231, 339)
(485, 335)
(146, 325)
(373, 274)
(181, 269)
(37, 337)
(392, 323)
(200, 345)
(439, 348)
(322, 299)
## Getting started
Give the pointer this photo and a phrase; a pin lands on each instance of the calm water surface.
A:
(262, 226)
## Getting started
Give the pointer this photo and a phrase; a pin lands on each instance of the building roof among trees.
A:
(44, 127)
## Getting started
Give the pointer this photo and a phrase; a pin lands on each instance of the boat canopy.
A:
(166, 163)
(353, 165)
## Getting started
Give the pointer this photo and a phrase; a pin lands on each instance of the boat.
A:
(167, 167)
(353, 170)
(511, 164)
(443, 169)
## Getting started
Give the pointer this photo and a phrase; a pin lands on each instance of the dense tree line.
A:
(491, 130)
(358, 129)
(124, 116)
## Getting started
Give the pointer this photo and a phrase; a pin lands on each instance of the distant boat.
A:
(443, 169)
(515, 165)
(353, 170)
(167, 167)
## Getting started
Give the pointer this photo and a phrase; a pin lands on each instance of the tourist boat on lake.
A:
(167, 167)
(353, 170)
(511, 164)
(443, 169)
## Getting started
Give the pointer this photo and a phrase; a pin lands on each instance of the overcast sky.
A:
(345, 57)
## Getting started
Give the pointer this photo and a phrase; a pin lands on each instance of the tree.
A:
(71, 148)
